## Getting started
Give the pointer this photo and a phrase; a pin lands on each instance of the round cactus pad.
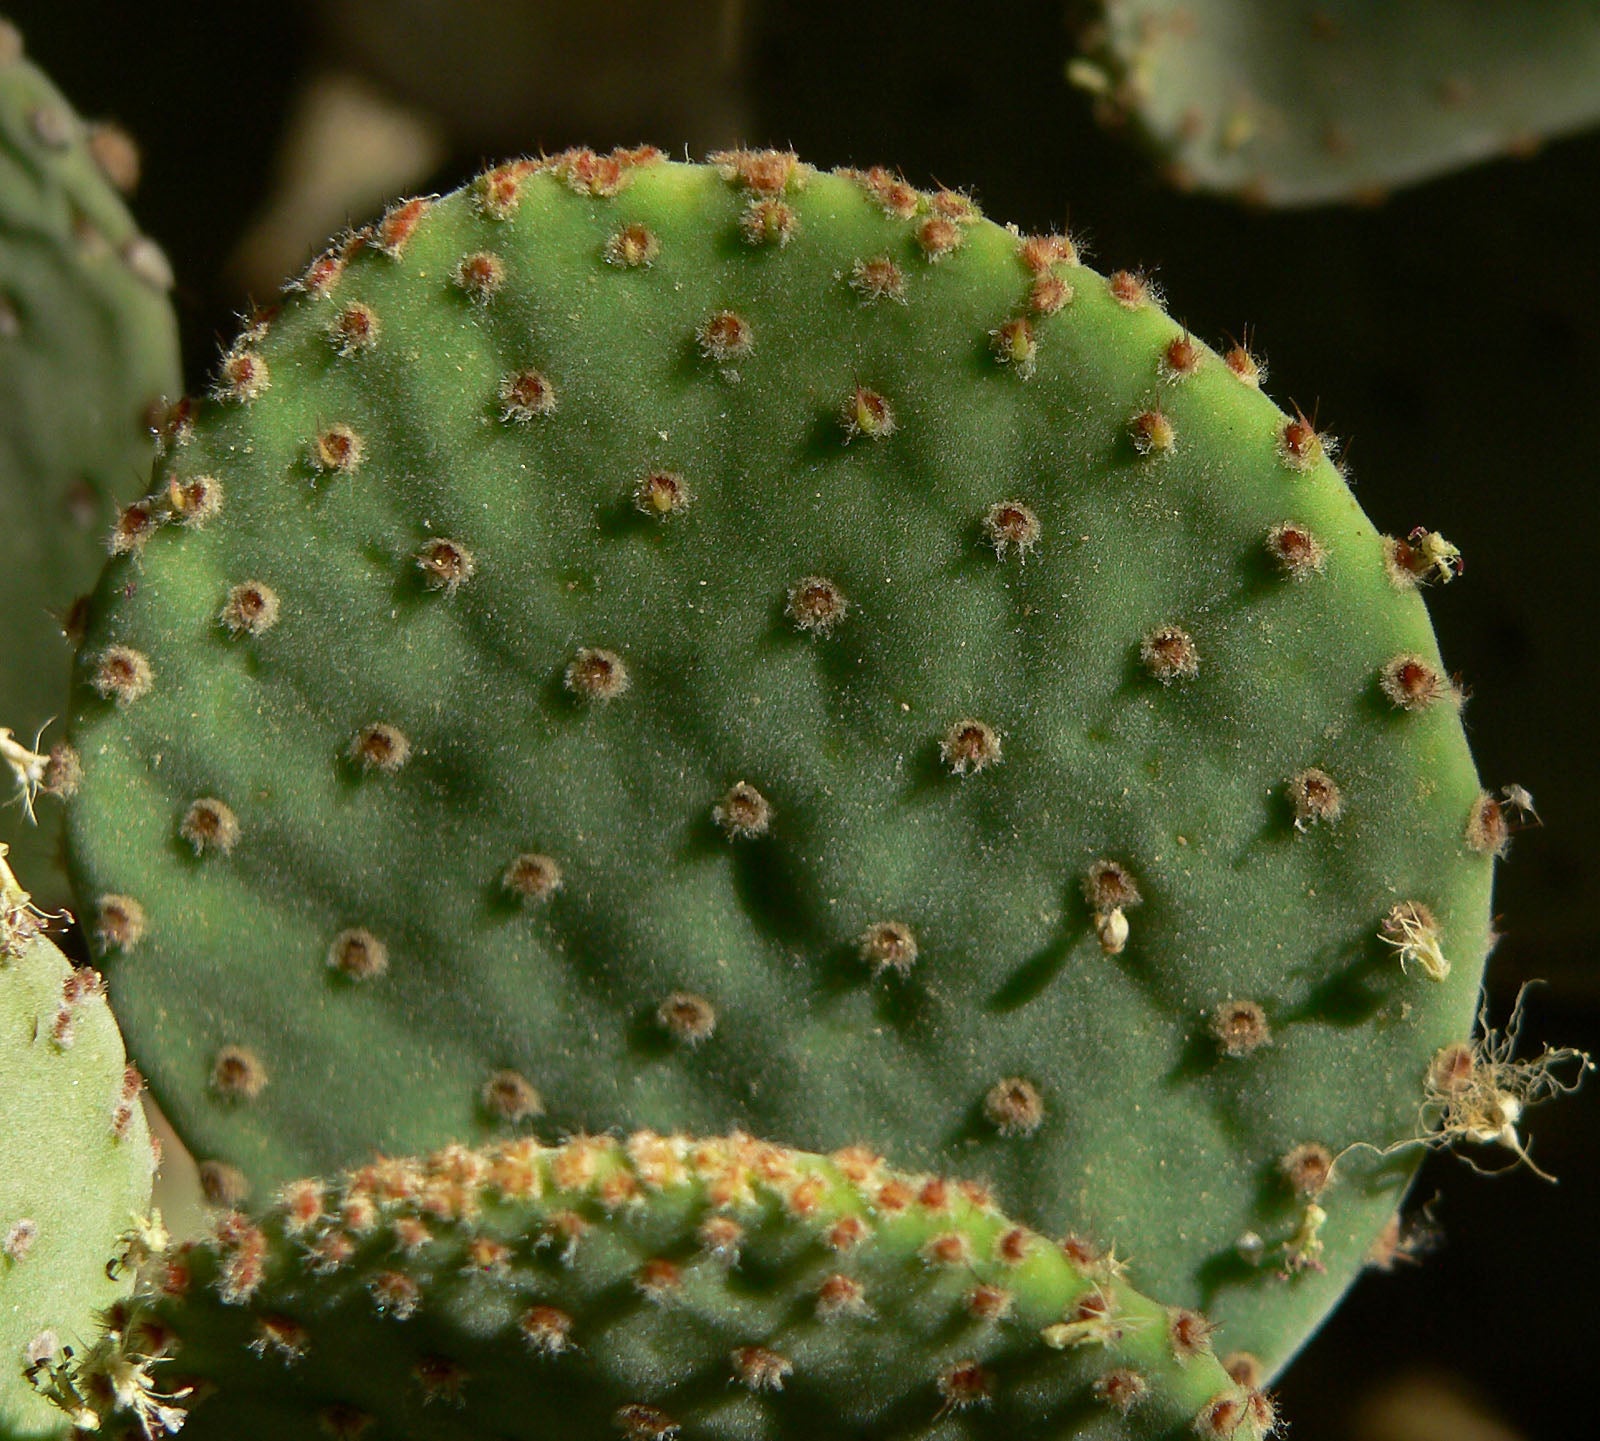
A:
(733, 647)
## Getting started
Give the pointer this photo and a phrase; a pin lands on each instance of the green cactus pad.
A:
(75, 1157)
(699, 647)
(715, 1289)
(88, 342)
(1300, 102)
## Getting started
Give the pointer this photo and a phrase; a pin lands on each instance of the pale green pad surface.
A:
(70, 1184)
(438, 1339)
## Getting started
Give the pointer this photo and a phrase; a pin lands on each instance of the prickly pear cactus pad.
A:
(75, 1158)
(716, 1288)
(1297, 102)
(641, 644)
(87, 342)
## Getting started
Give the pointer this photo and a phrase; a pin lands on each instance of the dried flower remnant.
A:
(1095, 1320)
(1520, 799)
(1303, 1250)
(1423, 558)
(1478, 1091)
(1411, 929)
(32, 769)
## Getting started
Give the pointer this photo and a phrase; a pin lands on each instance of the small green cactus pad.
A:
(1300, 102)
(666, 1287)
(75, 1157)
(88, 342)
(640, 644)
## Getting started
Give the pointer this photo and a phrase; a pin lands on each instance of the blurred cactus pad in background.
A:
(1301, 102)
(733, 647)
(88, 350)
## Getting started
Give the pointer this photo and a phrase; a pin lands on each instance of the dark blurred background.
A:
(1450, 335)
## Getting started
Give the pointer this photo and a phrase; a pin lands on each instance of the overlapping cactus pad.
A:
(75, 1159)
(716, 1288)
(707, 647)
